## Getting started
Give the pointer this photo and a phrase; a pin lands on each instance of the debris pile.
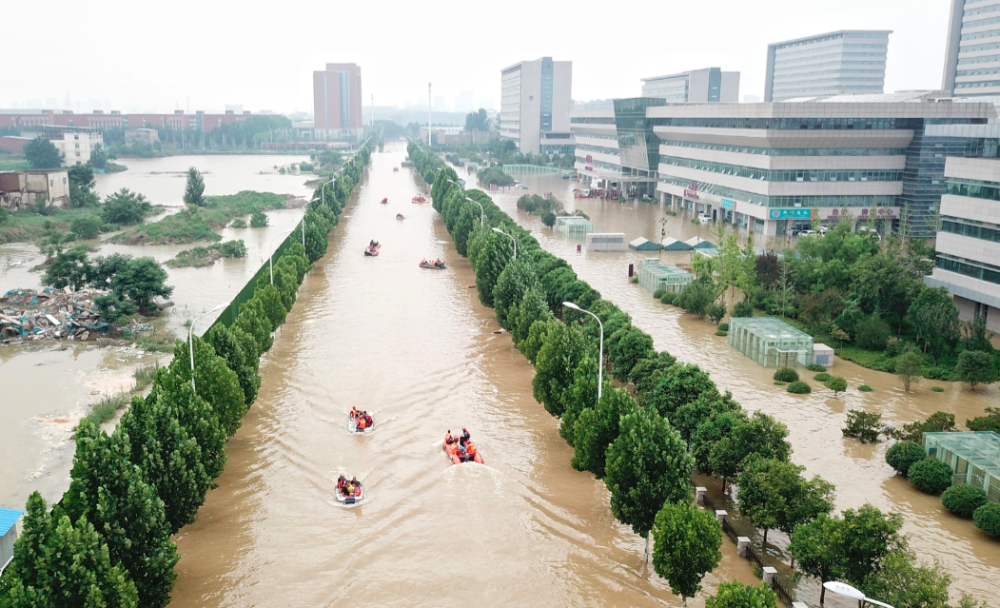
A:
(63, 314)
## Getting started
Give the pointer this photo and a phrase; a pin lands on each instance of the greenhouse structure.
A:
(672, 244)
(643, 244)
(606, 241)
(696, 242)
(574, 225)
(974, 457)
(668, 277)
(771, 342)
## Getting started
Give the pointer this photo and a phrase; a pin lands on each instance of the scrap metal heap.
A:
(62, 314)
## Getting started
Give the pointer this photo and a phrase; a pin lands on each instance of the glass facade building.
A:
(707, 85)
(849, 61)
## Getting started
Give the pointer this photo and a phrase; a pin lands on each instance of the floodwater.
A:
(46, 390)
(416, 347)
(814, 421)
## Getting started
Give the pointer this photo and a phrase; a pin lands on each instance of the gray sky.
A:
(161, 56)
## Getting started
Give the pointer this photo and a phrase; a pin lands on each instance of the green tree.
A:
(930, 475)
(869, 536)
(42, 154)
(86, 227)
(647, 465)
(865, 426)
(140, 281)
(709, 433)
(901, 583)
(82, 176)
(697, 295)
(113, 306)
(270, 298)
(976, 367)
(253, 320)
(934, 316)
(236, 347)
(125, 208)
(194, 190)
(490, 263)
(680, 384)
(511, 286)
(522, 315)
(688, 416)
(99, 157)
(759, 435)
(549, 219)
(773, 494)
(626, 347)
(198, 418)
(597, 428)
(477, 121)
(168, 456)
(738, 595)
(987, 518)
(909, 367)
(989, 422)
(963, 499)
(60, 563)
(686, 547)
(580, 395)
(213, 381)
(258, 219)
(564, 347)
(648, 372)
(837, 384)
(111, 493)
(69, 268)
(817, 545)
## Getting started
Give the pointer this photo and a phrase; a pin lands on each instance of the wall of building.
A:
(972, 56)
(850, 61)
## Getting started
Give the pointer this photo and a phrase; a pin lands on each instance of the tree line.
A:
(645, 440)
(107, 541)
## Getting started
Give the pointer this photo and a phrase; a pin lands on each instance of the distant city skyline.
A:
(231, 67)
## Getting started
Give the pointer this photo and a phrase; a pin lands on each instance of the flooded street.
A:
(49, 386)
(814, 421)
(416, 347)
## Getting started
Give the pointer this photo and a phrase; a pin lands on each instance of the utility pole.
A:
(429, 144)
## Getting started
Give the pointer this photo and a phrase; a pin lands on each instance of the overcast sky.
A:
(161, 56)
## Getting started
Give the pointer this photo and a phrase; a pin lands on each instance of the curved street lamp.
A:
(270, 254)
(855, 594)
(495, 229)
(600, 354)
(482, 216)
(191, 337)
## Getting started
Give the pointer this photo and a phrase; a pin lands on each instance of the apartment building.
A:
(706, 85)
(972, 55)
(535, 104)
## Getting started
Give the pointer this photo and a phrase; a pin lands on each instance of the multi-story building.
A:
(696, 86)
(848, 61)
(774, 168)
(28, 120)
(337, 99)
(968, 243)
(75, 146)
(972, 56)
(535, 102)
(20, 189)
(615, 144)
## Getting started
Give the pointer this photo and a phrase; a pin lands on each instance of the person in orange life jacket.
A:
(470, 450)
(448, 439)
(354, 412)
(368, 419)
(462, 454)
(362, 421)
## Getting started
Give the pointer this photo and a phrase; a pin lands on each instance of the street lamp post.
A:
(191, 337)
(600, 353)
(495, 229)
(482, 220)
(855, 594)
(270, 254)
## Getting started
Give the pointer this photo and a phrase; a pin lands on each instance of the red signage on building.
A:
(691, 191)
(590, 158)
(588, 168)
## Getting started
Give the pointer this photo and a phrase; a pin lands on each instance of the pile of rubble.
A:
(63, 314)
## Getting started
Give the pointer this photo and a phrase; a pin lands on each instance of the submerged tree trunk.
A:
(822, 592)
(684, 602)
(646, 558)
(766, 530)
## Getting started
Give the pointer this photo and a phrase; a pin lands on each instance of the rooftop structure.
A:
(972, 58)
(672, 244)
(66, 121)
(606, 241)
(771, 342)
(654, 277)
(643, 244)
(848, 61)
(974, 457)
(8, 534)
(574, 225)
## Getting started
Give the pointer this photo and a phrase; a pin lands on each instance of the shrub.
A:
(780, 383)
(864, 388)
(872, 333)
(659, 293)
(743, 308)
(87, 227)
(786, 374)
(837, 384)
(239, 223)
(822, 377)
(234, 249)
(723, 326)
(862, 425)
(963, 499)
(987, 518)
(258, 219)
(937, 389)
(634, 280)
(902, 455)
(722, 333)
(716, 312)
(668, 297)
(799, 388)
(930, 475)
(816, 367)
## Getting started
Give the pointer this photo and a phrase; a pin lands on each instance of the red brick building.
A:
(337, 98)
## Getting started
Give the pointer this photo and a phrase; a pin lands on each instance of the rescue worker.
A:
(462, 455)
(354, 412)
(448, 439)
(355, 482)
(349, 490)
(368, 419)
(465, 436)
(362, 421)
(470, 450)
(341, 482)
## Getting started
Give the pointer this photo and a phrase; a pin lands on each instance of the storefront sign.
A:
(691, 191)
(586, 168)
(590, 158)
(728, 204)
(793, 214)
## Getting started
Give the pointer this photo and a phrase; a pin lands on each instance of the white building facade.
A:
(972, 56)
(844, 62)
(968, 244)
(706, 85)
(76, 147)
(535, 102)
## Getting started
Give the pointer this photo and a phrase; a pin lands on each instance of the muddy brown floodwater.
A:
(814, 421)
(416, 347)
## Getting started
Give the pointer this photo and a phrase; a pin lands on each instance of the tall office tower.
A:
(337, 98)
(849, 61)
(535, 100)
(696, 86)
(972, 57)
